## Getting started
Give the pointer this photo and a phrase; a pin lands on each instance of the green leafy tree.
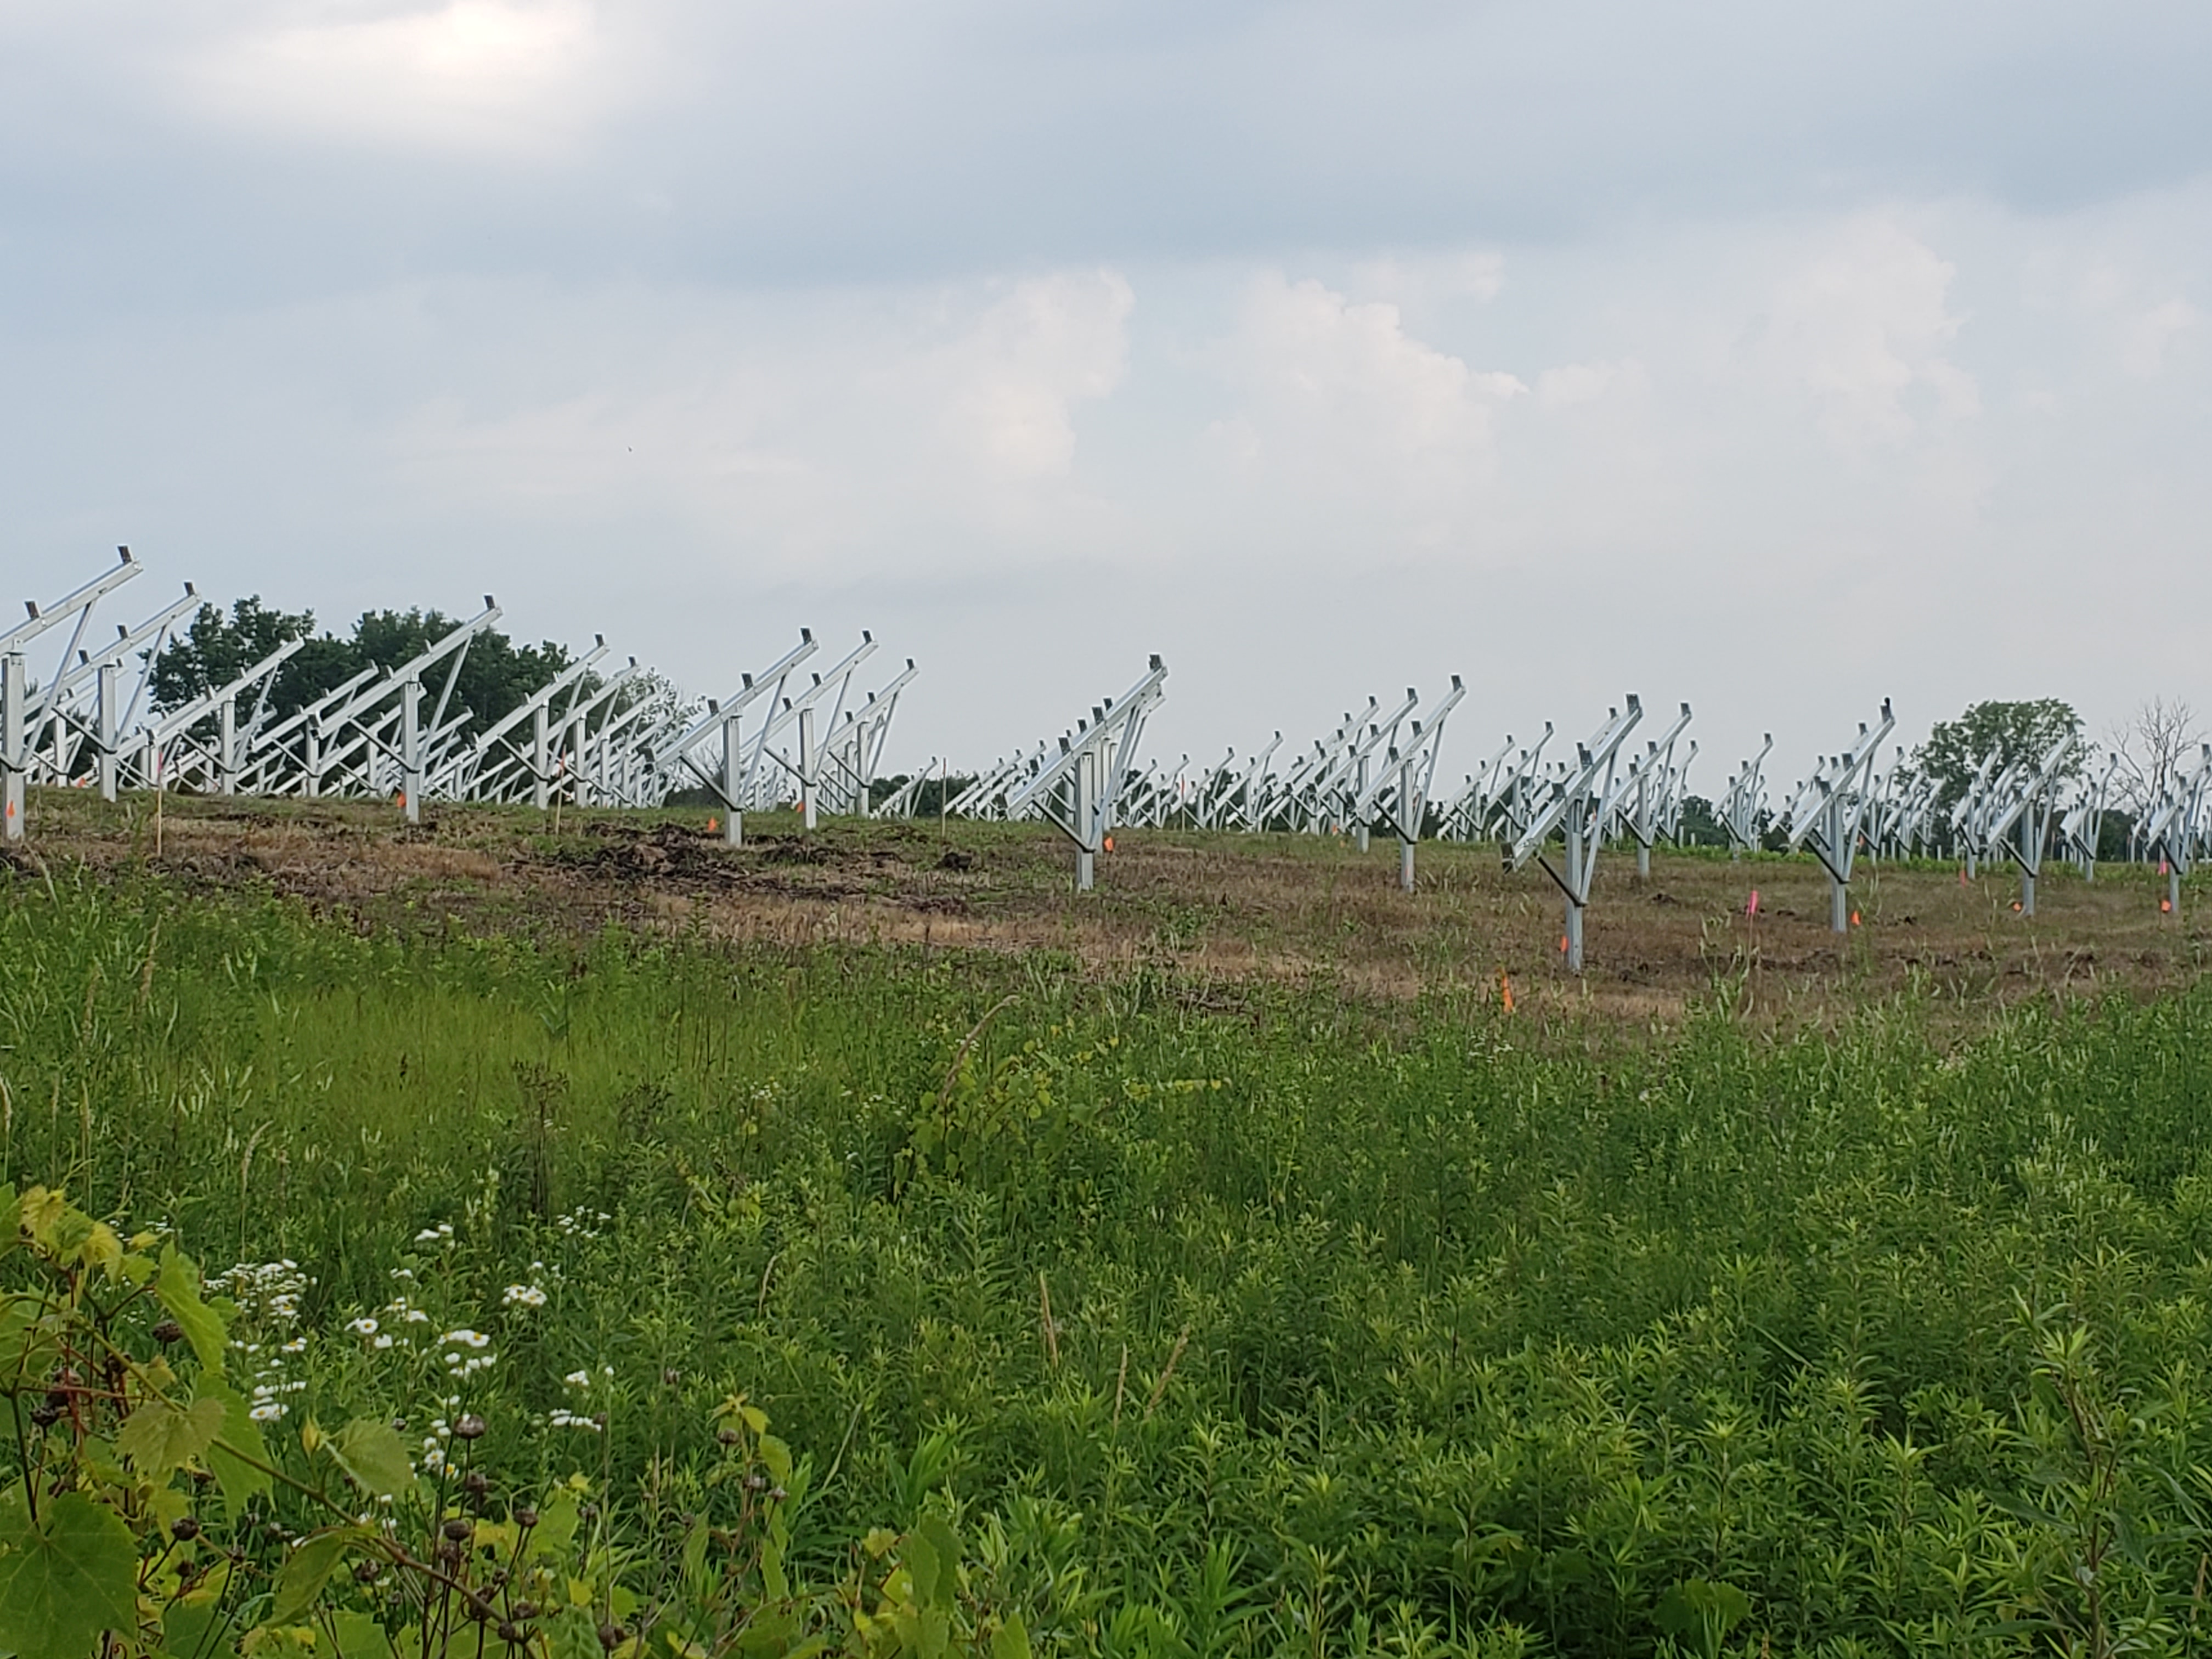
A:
(497, 675)
(2016, 731)
(216, 647)
(1701, 824)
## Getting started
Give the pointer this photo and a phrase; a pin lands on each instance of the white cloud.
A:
(1864, 326)
(1016, 374)
(811, 426)
(1479, 276)
(504, 76)
(2149, 334)
(1584, 383)
(1337, 389)
(1730, 436)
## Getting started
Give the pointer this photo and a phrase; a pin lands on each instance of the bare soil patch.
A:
(1211, 909)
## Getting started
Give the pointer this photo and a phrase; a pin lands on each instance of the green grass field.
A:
(1288, 1321)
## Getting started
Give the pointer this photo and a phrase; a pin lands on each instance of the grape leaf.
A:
(65, 1577)
(240, 1439)
(178, 1286)
(358, 1636)
(303, 1575)
(373, 1457)
(160, 1437)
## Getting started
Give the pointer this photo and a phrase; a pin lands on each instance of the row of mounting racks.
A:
(816, 740)
(588, 736)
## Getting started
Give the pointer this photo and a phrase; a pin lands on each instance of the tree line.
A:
(497, 675)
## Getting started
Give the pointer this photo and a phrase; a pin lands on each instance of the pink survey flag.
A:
(1751, 907)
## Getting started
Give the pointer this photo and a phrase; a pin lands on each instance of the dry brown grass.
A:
(1224, 909)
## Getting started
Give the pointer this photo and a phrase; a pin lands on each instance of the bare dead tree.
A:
(2151, 743)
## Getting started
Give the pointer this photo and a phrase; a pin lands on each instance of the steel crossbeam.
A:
(1970, 812)
(1079, 788)
(1522, 788)
(20, 724)
(1472, 812)
(402, 730)
(1247, 798)
(627, 739)
(84, 709)
(1744, 802)
(1578, 807)
(1398, 800)
(731, 781)
(2176, 827)
(214, 758)
(2081, 826)
(381, 723)
(1650, 807)
(2020, 823)
(986, 798)
(900, 803)
(793, 724)
(1829, 810)
(1905, 818)
(855, 753)
(495, 760)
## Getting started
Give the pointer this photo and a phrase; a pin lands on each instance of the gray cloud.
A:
(1775, 360)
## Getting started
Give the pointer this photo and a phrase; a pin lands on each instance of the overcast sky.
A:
(1774, 359)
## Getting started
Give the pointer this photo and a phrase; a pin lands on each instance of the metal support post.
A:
(810, 768)
(1359, 793)
(14, 764)
(411, 749)
(109, 723)
(733, 767)
(1839, 892)
(1086, 795)
(1407, 827)
(226, 771)
(1577, 822)
(541, 761)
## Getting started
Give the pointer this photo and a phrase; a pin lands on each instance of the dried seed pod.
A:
(526, 1516)
(167, 1332)
(457, 1529)
(184, 1530)
(474, 1483)
(365, 1572)
(470, 1427)
(611, 1637)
